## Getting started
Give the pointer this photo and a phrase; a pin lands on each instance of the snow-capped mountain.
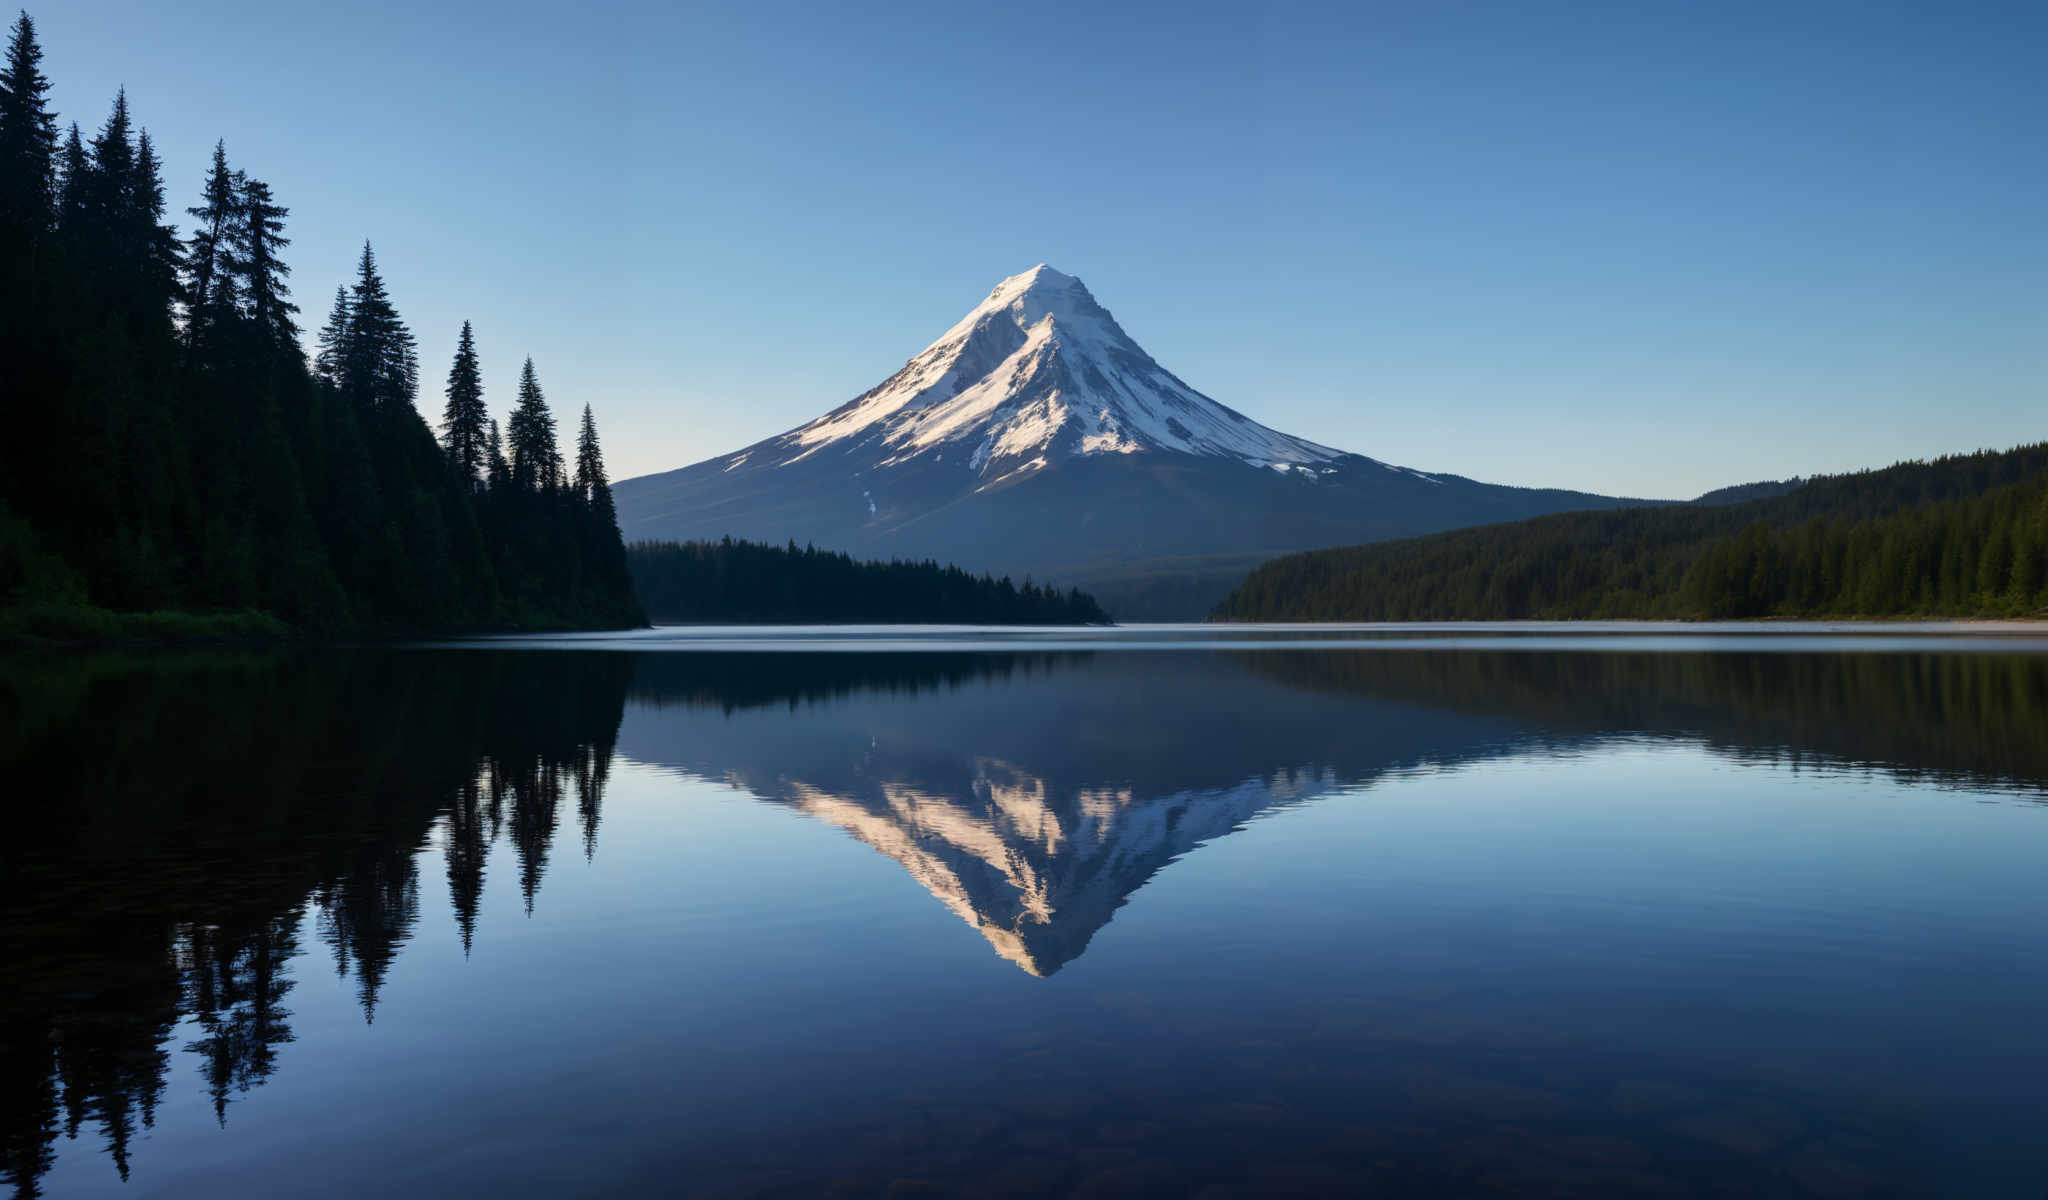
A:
(1036, 437)
(1035, 373)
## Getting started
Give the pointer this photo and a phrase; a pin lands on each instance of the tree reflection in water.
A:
(177, 819)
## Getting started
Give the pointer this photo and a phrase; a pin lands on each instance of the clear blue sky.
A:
(1648, 249)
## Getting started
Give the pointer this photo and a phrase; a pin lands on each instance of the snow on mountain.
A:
(1038, 372)
(1035, 437)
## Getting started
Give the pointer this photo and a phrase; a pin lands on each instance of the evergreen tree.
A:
(28, 136)
(462, 421)
(327, 361)
(107, 186)
(379, 365)
(498, 471)
(536, 463)
(596, 489)
(132, 255)
(74, 183)
(158, 256)
(210, 256)
(590, 477)
(138, 478)
(259, 236)
(749, 581)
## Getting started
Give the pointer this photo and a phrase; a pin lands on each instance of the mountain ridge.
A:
(1965, 535)
(1036, 437)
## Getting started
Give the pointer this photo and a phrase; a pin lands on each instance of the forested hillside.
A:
(169, 447)
(729, 581)
(1963, 536)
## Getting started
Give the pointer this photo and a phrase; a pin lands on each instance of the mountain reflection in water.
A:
(185, 815)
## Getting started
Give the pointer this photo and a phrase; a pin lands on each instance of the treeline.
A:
(170, 448)
(729, 581)
(1962, 536)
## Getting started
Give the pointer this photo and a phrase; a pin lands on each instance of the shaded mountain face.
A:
(1035, 436)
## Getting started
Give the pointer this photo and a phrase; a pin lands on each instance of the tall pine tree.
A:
(105, 240)
(141, 478)
(28, 136)
(132, 256)
(210, 254)
(259, 237)
(536, 462)
(159, 256)
(379, 365)
(591, 484)
(462, 421)
(497, 470)
(74, 185)
(327, 361)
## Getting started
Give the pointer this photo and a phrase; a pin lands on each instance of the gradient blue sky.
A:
(1646, 249)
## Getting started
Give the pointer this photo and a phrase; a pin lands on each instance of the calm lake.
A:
(1215, 912)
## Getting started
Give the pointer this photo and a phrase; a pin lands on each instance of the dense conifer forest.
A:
(170, 448)
(729, 581)
(1963, 536)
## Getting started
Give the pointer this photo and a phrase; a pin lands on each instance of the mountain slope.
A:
(1035, 436)
(1960, 536)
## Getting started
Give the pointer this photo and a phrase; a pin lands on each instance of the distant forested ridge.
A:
(1963, 536)
(169, 447)
(690, 582)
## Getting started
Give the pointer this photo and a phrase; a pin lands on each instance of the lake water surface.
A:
(1520, 911)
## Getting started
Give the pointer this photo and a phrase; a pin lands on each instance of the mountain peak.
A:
(1042, 275)
(1037, 372)
(1028, 297)
(1037, 435)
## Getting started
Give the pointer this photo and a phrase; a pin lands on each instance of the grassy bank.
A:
(83, 625)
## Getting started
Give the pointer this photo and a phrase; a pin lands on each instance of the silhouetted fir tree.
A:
(202, 465)
(132, 256)
(591, 484)
(379, 367)
(333, 340)
(536, 462)
(463, 432)
(498, 472)
(105, 240)
(258, 239)
(160, 255)
(28, 137)
(210, 253)
(74, 170)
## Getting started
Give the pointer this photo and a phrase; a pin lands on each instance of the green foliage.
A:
(536, 460)
(209, 253)
(379, 365)
(259, 237)
(464, 418)
(1962, 536)
(729, 581)
(168, 456)
(28, 133)
(69, 624)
